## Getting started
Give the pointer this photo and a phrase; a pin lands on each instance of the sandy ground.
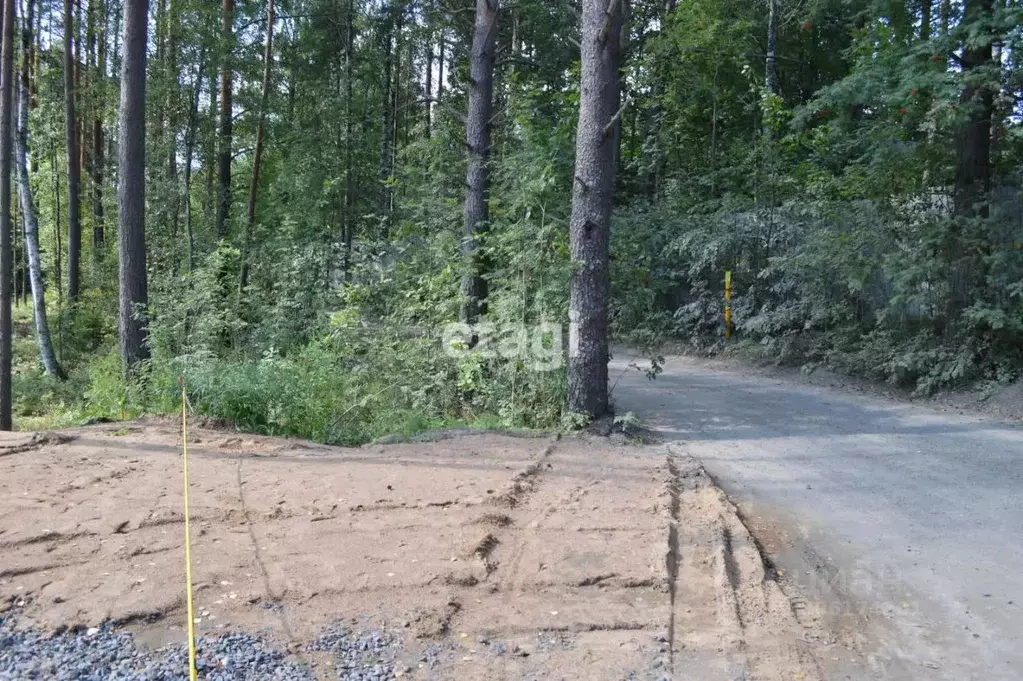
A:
(514, 557)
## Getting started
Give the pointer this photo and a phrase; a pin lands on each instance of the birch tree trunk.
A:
(30, 219)
(477, 142)
(592, 201)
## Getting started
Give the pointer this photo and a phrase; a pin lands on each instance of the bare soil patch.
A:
(504, 557)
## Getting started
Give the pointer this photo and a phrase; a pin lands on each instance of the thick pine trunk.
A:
(30, 218)
(226, 119)
(592, 201)
(131, 188)
(477, 142)
(257, 156)
(6, 232)
(74, 178)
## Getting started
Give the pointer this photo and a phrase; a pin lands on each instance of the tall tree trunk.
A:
(79, 101)
(385, 122)
(973, 161)
(58, 251)
(173, 18)
(592, 200)
(440, 71)
(35, 49)
(99, 101)
(171, 56)
(211, 156)
(6, 256)
(31, 220)
(925, 19)
(74, 226)
(477, 142)
(115, 61)
(190, 134)
(771, 68)
(973, 144)
(131, 188)
(429, 83)
(257, 156)
(349, 207)
(226, 118)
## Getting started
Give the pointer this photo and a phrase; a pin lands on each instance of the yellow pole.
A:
(192, 675)
(728, 305)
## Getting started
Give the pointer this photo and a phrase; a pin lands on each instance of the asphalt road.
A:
(904, 523)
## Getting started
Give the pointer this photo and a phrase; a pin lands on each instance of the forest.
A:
(287, 202)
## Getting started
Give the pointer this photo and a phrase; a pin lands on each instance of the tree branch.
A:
(608, 15)
(609, 128)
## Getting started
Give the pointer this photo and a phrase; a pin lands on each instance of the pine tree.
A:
(593, 194)
(131, 188)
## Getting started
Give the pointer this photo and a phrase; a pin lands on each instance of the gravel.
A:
(108, 654)
(360, 654)
(104, 653)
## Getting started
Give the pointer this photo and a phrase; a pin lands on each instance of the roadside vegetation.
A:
(329, 185)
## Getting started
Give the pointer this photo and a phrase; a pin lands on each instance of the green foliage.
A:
(832, 201)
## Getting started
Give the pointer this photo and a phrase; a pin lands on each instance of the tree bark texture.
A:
(257, 156)
(429, 83)
(30, 219)
(771, 68)
(190, 134)
(973, 145)
(592, 201)
(6, 232)
(131, 188)
(98, 235)
(386, 124)
(226, 119)
(349, 205)
(973, 166)
(477, 144)
(74, 175)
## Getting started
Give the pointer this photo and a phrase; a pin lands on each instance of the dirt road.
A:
(481, 557)
(905, 522)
